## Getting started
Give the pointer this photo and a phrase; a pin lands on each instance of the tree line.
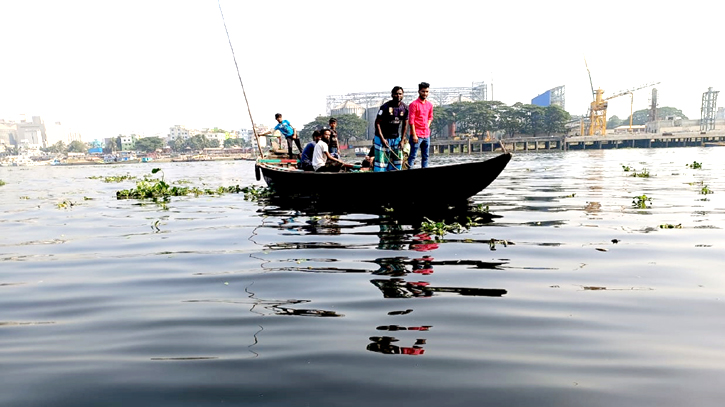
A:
(477, 119)
(472, 119)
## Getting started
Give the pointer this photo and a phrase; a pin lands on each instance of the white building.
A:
(179, 132)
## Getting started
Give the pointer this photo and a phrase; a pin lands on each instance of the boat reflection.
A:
(400, 288)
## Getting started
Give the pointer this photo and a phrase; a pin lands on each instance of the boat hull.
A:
(443, 185)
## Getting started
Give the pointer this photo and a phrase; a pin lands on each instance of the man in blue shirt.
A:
(306, 156)
(289, 133)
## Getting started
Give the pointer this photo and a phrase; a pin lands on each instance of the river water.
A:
(571, 296)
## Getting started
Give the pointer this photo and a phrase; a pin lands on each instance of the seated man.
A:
(322, 160)
(367, 162)
(306, 157)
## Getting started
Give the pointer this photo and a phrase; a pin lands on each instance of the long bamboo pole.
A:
(246, 101)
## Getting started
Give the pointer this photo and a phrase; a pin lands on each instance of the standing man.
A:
(390, 125)
(421, 116)
(289, 133)
(334, 145)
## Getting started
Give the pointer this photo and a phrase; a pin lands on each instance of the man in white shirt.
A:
(322, 160)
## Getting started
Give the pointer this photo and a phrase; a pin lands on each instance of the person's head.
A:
(325, 135)
(278, 117)
(397, 94)
(316, 136)
(333, 122)
(423, 90)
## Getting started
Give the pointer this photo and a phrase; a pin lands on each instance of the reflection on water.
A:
(564, 295)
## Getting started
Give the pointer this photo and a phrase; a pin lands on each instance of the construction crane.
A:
(598, 107)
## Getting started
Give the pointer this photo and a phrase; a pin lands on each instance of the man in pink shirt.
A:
(420, 116)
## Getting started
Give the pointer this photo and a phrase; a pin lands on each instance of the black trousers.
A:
(289, 146)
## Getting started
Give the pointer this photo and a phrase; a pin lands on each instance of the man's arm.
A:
(330, 157)
(412, 112)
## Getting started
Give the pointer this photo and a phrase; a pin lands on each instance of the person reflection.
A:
(384, 345)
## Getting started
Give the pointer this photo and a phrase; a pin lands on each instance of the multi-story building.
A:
(23, 133)
(128, 142)
(179, 132)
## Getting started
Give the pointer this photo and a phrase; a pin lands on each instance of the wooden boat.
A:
(441, 185)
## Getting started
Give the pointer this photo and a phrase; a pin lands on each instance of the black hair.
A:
(277, 116)
(315, 133)
(423, 85)
(395, 89)
(332, 120)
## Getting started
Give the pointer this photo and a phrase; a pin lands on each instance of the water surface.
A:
(570, 297)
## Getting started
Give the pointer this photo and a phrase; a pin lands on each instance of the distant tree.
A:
(351, 127)
(443, 117)
(305, 134)
(197, 142)
(532, 117)
(510, 119)
(555, 119)
(77, 146)
(641, 117)
(235, 142)
(57, 148)
(149, 144)
(615, 122)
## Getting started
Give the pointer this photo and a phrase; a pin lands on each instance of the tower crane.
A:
(598, 107)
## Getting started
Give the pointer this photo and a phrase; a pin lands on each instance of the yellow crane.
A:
(598, 107)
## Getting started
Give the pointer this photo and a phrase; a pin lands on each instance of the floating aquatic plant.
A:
(643, 174)
(153, 188)
(640, 202)
(493, 242)
(2, 182)
(706, 191)
(695, 165)
(480, 208)
(669, 226)
(440, 229)
(627, 168)
(113, 178)
(65, 204)
(255, 193)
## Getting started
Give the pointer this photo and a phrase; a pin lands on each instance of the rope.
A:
(254, 128)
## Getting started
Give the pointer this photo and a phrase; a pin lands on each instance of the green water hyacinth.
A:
(2, 182)
(153, 188)
(640, 202)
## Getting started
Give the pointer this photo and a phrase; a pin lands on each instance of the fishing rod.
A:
(246, 101)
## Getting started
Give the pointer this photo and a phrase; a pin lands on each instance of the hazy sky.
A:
(110, 67)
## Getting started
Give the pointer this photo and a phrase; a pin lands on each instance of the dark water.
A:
(222, 301)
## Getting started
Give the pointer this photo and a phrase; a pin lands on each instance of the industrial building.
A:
(554, 96)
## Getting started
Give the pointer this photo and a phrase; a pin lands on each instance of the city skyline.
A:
(139, 67)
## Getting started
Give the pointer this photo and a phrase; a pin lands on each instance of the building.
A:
(554, 96)
(128, 143)
(23, 133)
(178, 132)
